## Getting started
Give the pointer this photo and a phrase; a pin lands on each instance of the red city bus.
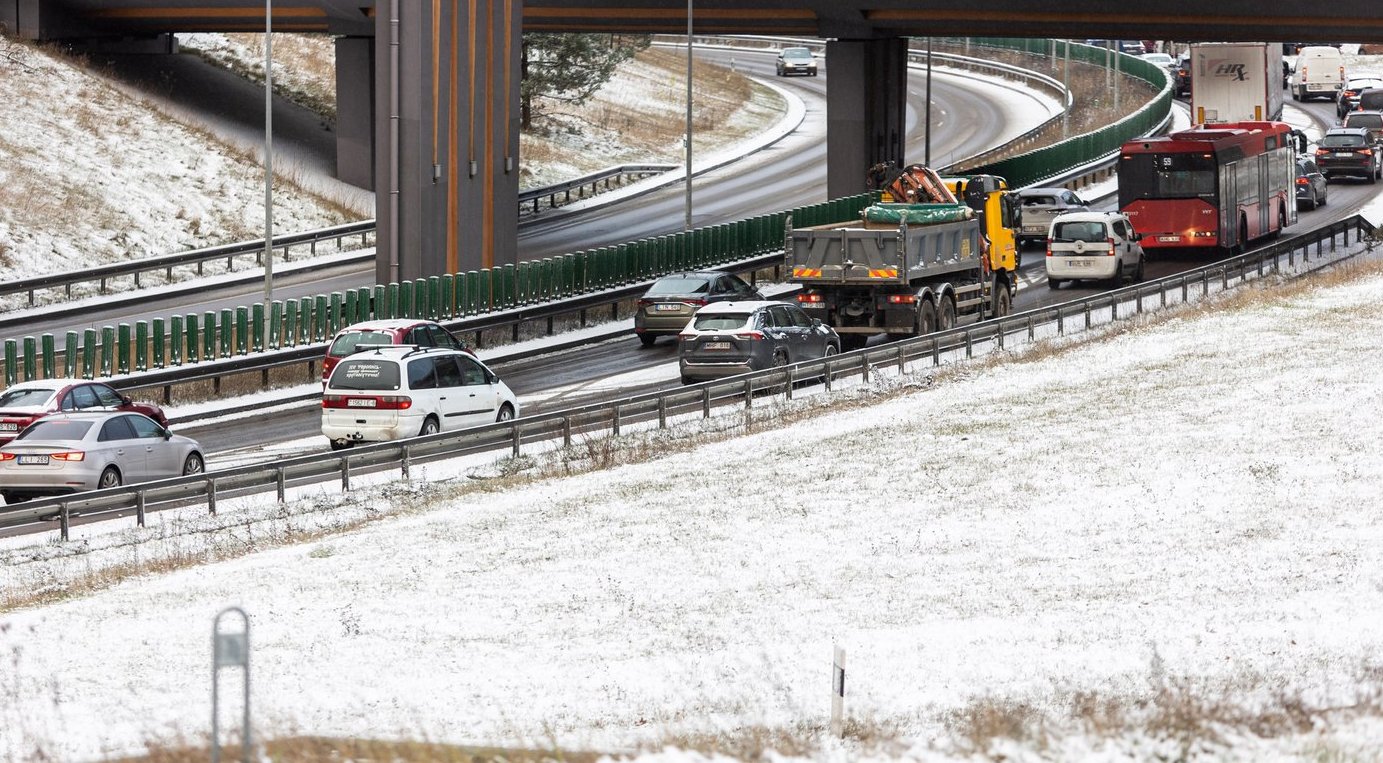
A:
(1219, 186)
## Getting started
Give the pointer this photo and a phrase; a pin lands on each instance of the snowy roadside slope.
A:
(1191, 506)
(89, 176)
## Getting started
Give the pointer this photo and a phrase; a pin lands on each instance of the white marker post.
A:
(838, 693)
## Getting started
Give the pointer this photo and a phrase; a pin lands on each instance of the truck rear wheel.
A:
(926, 318)
(946, 316)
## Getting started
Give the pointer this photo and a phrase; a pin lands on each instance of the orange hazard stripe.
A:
(806, 272)
(885, 273)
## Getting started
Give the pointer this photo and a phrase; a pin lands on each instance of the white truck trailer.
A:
(1235, 82)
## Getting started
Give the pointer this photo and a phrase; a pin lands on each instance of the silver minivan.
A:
(1319, 72)
(1094, 246)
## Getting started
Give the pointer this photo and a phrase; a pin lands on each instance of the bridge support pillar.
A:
(447, 120)
(355, 110)
(866, 109)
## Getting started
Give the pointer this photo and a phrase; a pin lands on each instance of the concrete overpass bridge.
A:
(427, 90)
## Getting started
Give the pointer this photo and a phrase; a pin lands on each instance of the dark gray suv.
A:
(1349, 151)
(731, 338)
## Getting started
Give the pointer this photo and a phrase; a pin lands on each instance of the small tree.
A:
(569, 68)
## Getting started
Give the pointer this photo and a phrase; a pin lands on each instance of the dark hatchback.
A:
(672, 300)
(1311, 185)
(1349, 151)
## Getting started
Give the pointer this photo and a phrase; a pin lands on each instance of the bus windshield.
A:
(1166, 176)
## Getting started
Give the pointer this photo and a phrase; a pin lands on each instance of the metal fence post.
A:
(230, 650)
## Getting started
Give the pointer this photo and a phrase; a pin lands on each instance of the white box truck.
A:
(1235, 82)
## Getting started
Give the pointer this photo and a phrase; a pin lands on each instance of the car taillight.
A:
(811, 298)
(1111, 246)
(643, 302)
(751, 335)
(71, 455)
(6, 456)
(696, 302)
(1321, 152)
(902, 299)
(1302, 181)
(1366, 151)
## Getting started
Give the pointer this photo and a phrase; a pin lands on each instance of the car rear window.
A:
(56, 429)
(1089, 231)
(678, 285)
(1342, 141)
(15, 398)
(720, 321)
(1032, 201)
(354, 341)
(1371, 121)
(365, 373)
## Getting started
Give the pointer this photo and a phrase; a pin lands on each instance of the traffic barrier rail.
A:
(965, 342)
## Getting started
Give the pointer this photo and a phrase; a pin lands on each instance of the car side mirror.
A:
(816, 323)
(126, 400)
(167, 434)
(1137, 236)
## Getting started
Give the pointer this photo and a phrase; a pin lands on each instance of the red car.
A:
(360, 336)
(29, 401)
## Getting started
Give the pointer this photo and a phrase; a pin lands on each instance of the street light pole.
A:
(268, 166)
(688, 224)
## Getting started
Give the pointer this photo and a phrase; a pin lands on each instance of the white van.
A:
(390, 392)
(1319, 72)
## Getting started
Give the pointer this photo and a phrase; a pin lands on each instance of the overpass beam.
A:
(866, 109)
(355, 110)
(447, 127)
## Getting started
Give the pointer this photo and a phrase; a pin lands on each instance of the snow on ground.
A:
(91, 175)
(1185, 506)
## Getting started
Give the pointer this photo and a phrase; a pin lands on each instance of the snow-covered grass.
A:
(91, 175)
(1159, 546)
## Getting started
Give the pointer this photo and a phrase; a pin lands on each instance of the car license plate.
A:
(1033, 229)
(1344, 155)
(715, 345)
(360, 402)
(1078, 263)
(39, 460)
(1169, 239)
(8, 426)
(667, 308)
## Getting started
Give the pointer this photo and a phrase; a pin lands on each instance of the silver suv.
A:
(1093, 245)
(1041, 206)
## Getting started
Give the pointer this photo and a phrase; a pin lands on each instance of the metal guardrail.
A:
(994, 334)
(594, 181)
(196, 257)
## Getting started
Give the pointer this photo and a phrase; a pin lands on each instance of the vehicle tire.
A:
(780, 359)
(1117, 279)
(339, 444)
(1003, 300)
(1373, 177)
(1139, 271)
(109, 478)
(1324, 194)
(688, 380)
(648, 339)
(430, 426)
(1315, 201)
(926, 318)
(193, 464)
(830, 350)
(1054, 283)
(946, 316)
(11, 497)
(506, 413)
